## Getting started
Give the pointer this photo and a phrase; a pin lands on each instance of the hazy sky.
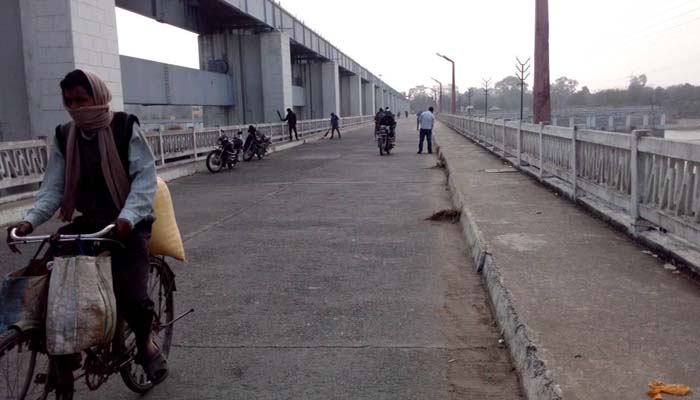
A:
(600, 43)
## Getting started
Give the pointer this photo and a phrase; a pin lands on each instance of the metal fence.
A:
(651, 179)
(22, 164)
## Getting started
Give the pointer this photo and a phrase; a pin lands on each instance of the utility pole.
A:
(454, 87)
(487, 89)
(440, 101)
(541, 95)
(522, 74)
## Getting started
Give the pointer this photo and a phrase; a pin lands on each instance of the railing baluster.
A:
(635, 175)
(574, 167)
(541, 151)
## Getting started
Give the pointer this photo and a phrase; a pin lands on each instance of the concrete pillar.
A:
(355, 95)
(276, 74)
(241, 54)
(331, 88)
(378, 98)
(314, 98)
(42, 41)
(344, 83)
(262, 74)
(370, 107)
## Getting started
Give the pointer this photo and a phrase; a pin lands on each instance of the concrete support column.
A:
(229, 49)
(42, 41)
(355, 95)
(378, 98)
(314, 98)
(344, 83)
(275, 57)
(330, 88)
(370, 107)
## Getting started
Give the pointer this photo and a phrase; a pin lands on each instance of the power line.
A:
(685, 13)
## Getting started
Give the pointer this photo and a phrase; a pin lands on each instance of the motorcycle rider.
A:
(388, 120)
(378, 119)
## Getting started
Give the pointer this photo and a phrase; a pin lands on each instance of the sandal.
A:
(155, 366)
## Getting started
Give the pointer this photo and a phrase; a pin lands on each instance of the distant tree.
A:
(420, 98)
(581, 98)
(506, 93)
(562, 90)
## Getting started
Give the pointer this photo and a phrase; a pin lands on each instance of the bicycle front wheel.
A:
(161, 284)
(19, 359)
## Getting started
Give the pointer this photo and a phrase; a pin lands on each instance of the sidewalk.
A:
(604, 316)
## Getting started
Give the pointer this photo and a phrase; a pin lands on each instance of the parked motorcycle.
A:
(256, 144)
(227, 153)
(385, 140)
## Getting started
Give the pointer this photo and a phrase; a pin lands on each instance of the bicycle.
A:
(27, 373)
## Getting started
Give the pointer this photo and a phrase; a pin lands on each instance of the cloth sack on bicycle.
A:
(81, 308)
(23, 296)
(165, 235)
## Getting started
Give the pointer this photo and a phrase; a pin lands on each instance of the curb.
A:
(534, 376)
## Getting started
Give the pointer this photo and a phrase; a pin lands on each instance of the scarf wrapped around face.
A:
(95, 119)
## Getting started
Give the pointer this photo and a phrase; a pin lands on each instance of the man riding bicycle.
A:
(101, 166)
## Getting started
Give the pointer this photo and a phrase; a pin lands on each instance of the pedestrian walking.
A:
(335, 126)
(418, 120)
(406, 114)
(426, 120)
(291, 119)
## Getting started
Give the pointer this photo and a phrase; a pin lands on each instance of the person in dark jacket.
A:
(378, 119)
(291, 119)
(388, 120)
(335, 126)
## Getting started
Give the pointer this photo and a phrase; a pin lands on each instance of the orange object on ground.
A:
(658, 388)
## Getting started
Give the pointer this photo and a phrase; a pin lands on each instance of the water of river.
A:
(686, 136)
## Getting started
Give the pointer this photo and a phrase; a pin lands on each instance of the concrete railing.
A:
(622, 119)
(648, 178)
(22, 164)
(170, 148)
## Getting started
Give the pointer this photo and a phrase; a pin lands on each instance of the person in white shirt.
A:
(426, 122)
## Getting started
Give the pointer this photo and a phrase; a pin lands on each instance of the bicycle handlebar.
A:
(61, 238)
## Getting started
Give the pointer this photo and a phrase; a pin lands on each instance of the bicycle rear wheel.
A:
(19, 360)
(161, 284)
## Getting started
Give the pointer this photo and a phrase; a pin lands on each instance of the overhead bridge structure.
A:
(256, 60)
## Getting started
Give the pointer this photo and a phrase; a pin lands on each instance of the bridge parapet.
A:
(655, 182)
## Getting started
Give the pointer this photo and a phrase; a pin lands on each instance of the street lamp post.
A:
(454, 88)
(440, 98)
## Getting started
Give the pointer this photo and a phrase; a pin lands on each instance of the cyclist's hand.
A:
(122, 229)
(23, 229)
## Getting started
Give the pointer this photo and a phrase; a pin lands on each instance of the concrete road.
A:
(315, 275)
